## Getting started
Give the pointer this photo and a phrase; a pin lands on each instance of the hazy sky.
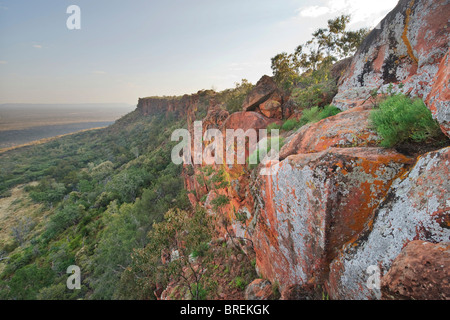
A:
(130, 49)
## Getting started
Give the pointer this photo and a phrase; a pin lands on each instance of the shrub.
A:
(234, 98)
(62, 219)
(199, 292)
(316, 114)
(316, 94)
(273, 126)
(200, 250)
(239, 283)
(400, 119)
(290, 125)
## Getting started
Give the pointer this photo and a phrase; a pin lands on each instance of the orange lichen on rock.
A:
(347, 129)
(310, 211)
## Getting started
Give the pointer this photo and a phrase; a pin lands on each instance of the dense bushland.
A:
(101, 192)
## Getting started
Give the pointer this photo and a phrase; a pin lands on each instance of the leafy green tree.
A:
(234, 98)
(285, 69)
(27, 281)
(326, 46)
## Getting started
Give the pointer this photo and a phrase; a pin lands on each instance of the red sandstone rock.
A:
(271, 109)
(347, 129)
(215, 118)
(416, 208)
(263, 90)
(420, 272)
(247, 120)
(439, 98)
(259, 289)
(315, 204)
(178, 107)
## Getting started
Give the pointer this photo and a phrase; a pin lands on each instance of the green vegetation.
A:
(312, 115)
(308, 74)
(100, 194)
(239, 283)
(290, 124)
(273, 126)
(400, 119)
(309, 64)
(233, 99)
(315, 88)
(184, 238)
(317, 114)
(276, 294)
(147, 271)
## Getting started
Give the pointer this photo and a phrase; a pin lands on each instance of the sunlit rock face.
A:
(316, 203)
(348, 129)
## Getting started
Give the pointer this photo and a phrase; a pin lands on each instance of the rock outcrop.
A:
(315, 204)
(259, 289)
(420, 272)
(348, 129)
(265, 89)
(338, 205)
(416, 208)
(267, 99)
(406, 51)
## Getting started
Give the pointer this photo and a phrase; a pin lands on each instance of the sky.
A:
(130, 49)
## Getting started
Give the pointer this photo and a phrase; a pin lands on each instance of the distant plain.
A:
(24, 123)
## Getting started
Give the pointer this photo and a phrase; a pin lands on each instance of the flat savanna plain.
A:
(26, 123)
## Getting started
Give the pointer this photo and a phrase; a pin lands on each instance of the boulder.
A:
(347, 129)
(215, 118)
(314, 204)
(404, 51)
(259, 289)
(420, 272)
(264, 89)
(247, 120)
(416, 208)
(272, 108)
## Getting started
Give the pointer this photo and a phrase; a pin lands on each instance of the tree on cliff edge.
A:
(327, 46)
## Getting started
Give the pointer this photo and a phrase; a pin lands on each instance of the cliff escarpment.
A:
(339, 209)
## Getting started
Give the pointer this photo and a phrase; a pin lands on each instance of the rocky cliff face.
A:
(338, 206)
(409, 51)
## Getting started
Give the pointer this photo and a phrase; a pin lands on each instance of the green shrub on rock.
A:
(401, 119)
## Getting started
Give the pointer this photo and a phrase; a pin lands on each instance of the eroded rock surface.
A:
(265, 89)
(316, 203)
(420, 272)
(259, 289)
(416, 208)
(348, 129)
